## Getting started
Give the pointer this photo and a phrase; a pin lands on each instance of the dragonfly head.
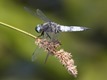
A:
(38, 28)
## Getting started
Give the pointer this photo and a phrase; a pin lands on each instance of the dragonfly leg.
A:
(42, 34)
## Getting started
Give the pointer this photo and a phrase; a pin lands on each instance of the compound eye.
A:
(38, 29)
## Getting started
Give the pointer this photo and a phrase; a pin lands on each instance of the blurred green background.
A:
(89, 48)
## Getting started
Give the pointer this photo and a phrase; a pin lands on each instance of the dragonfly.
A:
(50, 29)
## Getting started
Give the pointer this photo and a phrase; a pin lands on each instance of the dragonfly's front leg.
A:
(42, 34)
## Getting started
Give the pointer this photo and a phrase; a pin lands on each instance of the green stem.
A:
(17, 29)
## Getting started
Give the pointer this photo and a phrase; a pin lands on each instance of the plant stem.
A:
(17, 29)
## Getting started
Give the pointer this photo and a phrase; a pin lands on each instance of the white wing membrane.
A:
(72, 28)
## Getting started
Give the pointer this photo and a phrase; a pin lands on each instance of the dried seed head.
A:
(66, 60)
(64, 57)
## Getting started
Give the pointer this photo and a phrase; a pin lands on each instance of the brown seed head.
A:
(64, 57)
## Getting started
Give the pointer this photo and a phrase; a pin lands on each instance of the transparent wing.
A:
(30, 11)
(36, 53)
(42, 15)
(51, 36)
(47, 57)
(38, 13)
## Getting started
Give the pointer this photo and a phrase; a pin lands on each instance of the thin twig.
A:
(17, 29)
